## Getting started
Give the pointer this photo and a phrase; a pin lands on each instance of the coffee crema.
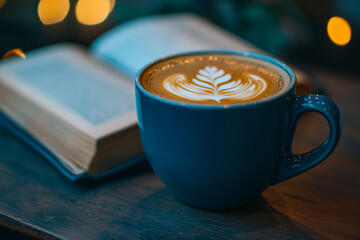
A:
(214, 79)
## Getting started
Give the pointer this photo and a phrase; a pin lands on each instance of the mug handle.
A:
(294, 164)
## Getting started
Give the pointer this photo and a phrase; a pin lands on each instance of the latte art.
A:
(212, 83)
(214, 79)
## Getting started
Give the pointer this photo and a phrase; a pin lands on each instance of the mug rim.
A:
(254, 55)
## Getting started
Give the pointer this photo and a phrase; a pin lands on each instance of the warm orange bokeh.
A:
(16, 52)
(53, 11)
(112, 5)
(2, 3)
(339, 31)
(92, 12)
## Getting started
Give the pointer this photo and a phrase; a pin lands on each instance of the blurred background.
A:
(323, 33)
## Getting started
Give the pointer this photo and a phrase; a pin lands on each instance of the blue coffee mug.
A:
(224, 156)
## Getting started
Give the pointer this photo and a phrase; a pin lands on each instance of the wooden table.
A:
(323, 203)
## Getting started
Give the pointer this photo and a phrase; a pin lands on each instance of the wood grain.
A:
(323, 203)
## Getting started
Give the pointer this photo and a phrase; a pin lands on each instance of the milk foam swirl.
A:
(212, 83)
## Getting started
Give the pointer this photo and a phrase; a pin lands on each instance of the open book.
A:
(77, 106)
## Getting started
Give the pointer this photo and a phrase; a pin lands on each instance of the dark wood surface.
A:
(323, 203)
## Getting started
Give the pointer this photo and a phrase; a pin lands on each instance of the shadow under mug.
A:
(224, 156)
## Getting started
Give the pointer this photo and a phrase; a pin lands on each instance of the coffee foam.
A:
(212, 83)
(214, 79)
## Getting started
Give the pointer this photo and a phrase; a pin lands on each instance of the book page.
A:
(65, 80)
(136, 43)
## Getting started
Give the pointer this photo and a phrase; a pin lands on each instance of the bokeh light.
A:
(92, 12)
(339, 31)
(16, 52)
(112, 5)
(2, 3)
(53, 11)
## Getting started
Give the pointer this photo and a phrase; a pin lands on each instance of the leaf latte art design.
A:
(212, 83)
